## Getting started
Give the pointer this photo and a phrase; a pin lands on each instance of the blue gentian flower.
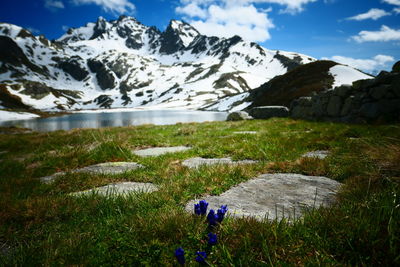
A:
(197, 210)
(212, 218)
(201, 256)
(201, 207)
(221, 213)
(212, 239)
(180, 255)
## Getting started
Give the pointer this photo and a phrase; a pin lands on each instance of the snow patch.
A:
(10, 116)
(346, 75)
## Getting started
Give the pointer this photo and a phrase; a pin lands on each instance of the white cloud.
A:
(368, 65)
(225, 18)
(385, 34)
(112, 6)
(192, 10)
(396, 10)
(392, 2)
(226, 21)
(53, 4)
(373, 13)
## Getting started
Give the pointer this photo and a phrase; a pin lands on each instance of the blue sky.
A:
(361, 33)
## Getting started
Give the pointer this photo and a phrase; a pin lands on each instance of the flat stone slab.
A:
(157, 151)
(319, 154)
(274, 196)
(197, 162)
(119, 189)
(102, 168)
(245, 132)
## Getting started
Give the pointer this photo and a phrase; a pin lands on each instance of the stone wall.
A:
(365, 101)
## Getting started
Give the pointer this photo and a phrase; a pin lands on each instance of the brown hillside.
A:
(301, 81)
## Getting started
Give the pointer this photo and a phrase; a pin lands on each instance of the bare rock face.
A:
(197, 162)
(275, 196)
(119, 189)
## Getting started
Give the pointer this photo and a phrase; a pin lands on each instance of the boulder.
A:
(238, 116)
(266, 112)
(334, 106)
(379, 91)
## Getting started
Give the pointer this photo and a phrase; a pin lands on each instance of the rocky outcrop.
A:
(104, 77)
(365, 101)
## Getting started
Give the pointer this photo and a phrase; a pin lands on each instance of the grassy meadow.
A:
(40, 224)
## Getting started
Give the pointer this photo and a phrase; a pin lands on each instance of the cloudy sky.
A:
(361, 33)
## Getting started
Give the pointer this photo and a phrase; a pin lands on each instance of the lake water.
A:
(115, 119)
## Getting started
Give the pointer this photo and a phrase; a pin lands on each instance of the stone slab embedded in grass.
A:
(157, 151)
(274, 196)
(319, 154)
(119, 189)
(110, 168)
(101, 168)
(51, 178)
(197, 162)
(245, 132)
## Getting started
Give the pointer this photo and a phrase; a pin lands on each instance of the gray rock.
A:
(51, 178)
(343, 90)
(3, 152)
(319, 154)
(238, 116)
(245, 132)
(348, 103)
(197, 162)
(109, 168)
(380, 91)
(102, 168)
(369, 110)
(267, 112)
(157, 151)
(274, 196)
(334, 106)
(119, 189)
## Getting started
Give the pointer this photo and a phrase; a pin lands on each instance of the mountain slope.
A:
(123, 63)
(303, 80)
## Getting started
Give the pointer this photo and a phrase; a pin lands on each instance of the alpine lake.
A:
(115, 119)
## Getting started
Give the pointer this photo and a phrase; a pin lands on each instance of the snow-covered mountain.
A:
(123, 63)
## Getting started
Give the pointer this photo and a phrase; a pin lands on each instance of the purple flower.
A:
(201, 207)
(212, 239)
(212, 218)
(221, 213)
(201, 256)
(180, 255)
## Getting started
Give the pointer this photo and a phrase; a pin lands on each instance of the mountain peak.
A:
(186, 32)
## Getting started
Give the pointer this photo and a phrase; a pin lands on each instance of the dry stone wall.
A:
(365, 101)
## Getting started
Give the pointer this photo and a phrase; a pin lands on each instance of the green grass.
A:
(41, 225)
